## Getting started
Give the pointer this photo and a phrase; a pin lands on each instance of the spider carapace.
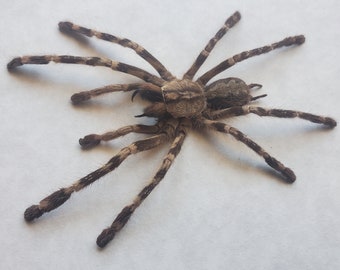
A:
(177, 105)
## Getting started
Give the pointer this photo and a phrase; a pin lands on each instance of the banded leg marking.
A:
(89, 61)
(163, 72)
(289, 41)
(108, 234)
(243, 110)
(327, 121)
(229, 23)
(94, 139)
(238, 135)
(86, 95)
(57, 198)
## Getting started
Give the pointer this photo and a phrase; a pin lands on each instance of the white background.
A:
(219, 206)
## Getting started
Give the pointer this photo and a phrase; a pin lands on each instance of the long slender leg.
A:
(295, 40)
(94, 139)
(90, 61)
(86, 95)
(243, 110)
(108, 234)
(62, 195)
(163, 72)
(229, 23)
(238, 135)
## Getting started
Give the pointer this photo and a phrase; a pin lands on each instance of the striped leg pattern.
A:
(108, 234)
(86, 95)
(238, 135)
(92, 140)
(229, 23)
(243, 110)
(142, 52)
(327, 121)
(89, 61)
(62, 195)
(289, 41)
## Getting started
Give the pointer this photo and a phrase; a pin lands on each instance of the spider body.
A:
(177, 104)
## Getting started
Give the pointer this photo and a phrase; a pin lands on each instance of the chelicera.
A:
(178, 105)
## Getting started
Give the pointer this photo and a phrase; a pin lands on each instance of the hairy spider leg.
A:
(90, 61)
(238, 135)
(94, 139)
(62, 195)
(163, 72)
(122, 218)
(86, 95)
(229, 23)
(289, 41)
(243, 110)
(330, 122)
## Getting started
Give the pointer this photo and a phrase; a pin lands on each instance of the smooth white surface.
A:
(219, 206)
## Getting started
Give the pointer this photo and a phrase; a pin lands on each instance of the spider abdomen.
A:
(183, 98)
(226, 93)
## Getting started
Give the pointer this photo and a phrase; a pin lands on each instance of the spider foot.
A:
(32, 213)
(15, 62)
(300, 39)
(277, 165)
(330, 122)
(65, 26)
(289, 174)
(80, 97)
(51, 202)
(89, 141)
(109, 233)
(105, 237)
(288, 41)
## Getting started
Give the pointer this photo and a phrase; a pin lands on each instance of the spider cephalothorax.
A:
(183, 98)
(177, 105)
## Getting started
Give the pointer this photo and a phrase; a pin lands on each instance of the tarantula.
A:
(177, 104)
